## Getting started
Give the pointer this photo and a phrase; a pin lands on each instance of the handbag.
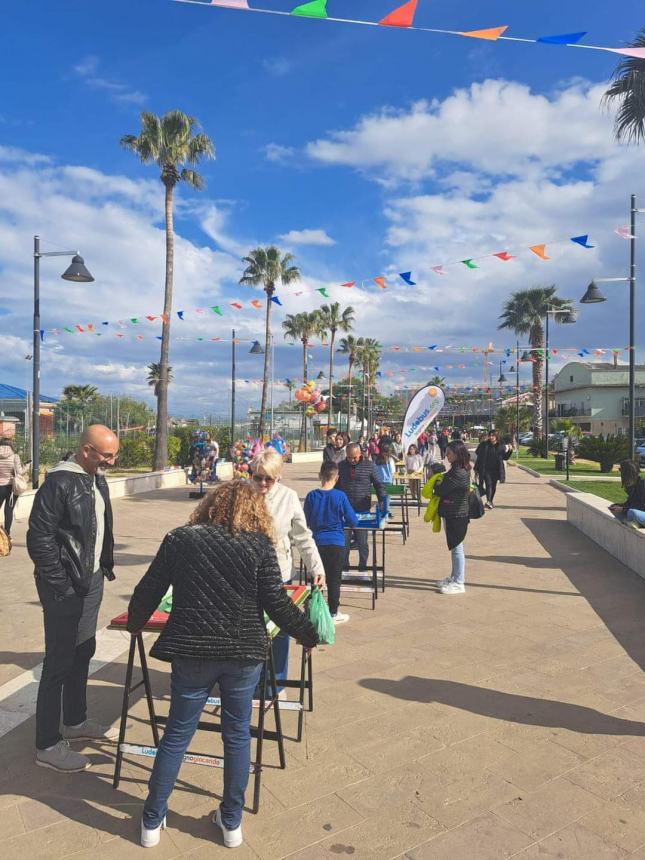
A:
(5, 543)
(18, 482)
(476, 509)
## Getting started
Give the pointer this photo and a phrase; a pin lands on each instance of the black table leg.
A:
(258, 747)
(276, 711)
(124, 713)
(148, 689)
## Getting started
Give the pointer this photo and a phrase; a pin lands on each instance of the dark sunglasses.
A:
(264, 479)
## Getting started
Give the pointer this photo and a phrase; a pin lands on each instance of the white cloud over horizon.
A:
(307, 237)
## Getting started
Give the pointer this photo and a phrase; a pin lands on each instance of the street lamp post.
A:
(594, 296)
(76, 272)
(233, 387)
(569, 318)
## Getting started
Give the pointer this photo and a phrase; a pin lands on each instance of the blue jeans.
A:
(634, 516)
(191, 684)
(458, 555)
(361, 536)
(280, 659)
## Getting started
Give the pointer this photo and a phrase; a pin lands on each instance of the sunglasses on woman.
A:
(264, 479)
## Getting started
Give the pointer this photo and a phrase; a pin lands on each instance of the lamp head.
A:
(593, 295)
(570, 317)
(77, 271)
(526, 356)
(502, 378)
(256, 349)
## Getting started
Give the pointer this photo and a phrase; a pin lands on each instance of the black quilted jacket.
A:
(221, 584)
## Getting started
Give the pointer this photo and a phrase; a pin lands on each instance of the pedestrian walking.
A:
(491, 456)
(453, 493)
(373, 447)
(356, 478)
(71, 543)
(397, 447)
(225, 575)
(10, 468)
(442, 441)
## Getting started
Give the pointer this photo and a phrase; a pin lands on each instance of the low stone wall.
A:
(591, 516)
(307, 457)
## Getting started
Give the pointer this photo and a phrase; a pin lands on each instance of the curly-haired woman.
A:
(224, 573)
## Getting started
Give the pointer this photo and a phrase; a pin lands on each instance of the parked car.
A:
(526, 438)
(640, 450)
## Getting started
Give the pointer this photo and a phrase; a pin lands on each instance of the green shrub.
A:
(174, 449)
(537, 448)
(136, 449)
(607, 451)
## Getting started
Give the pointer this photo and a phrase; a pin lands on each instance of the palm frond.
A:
(627, 88)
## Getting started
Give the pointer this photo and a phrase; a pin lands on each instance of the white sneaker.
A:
(151, 837)
(340, 618)
(442, 582)
(232, 838)
(453, 588)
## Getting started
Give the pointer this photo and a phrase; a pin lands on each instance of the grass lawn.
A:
(605, 489)
(547, 467)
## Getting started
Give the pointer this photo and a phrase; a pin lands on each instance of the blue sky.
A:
(406, 149)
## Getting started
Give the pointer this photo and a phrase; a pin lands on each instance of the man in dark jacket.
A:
(71, 543)
(334, 451)
(491, 456)
(356, 477)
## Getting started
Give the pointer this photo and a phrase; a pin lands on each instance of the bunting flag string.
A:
(403, 17)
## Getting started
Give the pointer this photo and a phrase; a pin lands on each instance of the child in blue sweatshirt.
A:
(328, 514)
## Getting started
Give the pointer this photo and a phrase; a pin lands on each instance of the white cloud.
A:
(277, 153)
(87, 69)
(277, 66)
(307, 237)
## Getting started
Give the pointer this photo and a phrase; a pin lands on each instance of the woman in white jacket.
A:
(291, 531)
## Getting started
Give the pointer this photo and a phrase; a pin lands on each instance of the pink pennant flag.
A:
(79, 327)
(119, 335)
(150, 317)
(624, 232)
(438, 270)
(504, 255)
(232, 4)
(215, 339)
(236, 305)
(539, 250)
(629, 52)
(348, 284)
(200, 311)
(139, 337)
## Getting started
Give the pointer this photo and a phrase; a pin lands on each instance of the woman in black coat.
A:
(453, 493)
(224, 574)
(491, 456)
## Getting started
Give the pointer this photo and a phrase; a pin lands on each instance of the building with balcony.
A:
(595, 396)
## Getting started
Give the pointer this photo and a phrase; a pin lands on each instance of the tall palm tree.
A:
(303, 327)
(350, 346)
(170, 142)
(437, 380)
(524, 313)
(628, 89)
(370, 357)
(266, 267)
(154, 376)
(80, 396)
(334, 320)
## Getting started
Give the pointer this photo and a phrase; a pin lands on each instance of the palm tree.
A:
(154, 375)
(524, 313)
(350, 346)
(628, 88)
(169, 141)
(370, 357)
(80, 396)
(266, 267)
(303, 327)
(439, 381)
(333, 320)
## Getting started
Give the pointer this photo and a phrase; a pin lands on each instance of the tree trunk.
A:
(330, 402)
(161, 431)
(537, 342)
(269, 289)
(305, 370)
(364, 401)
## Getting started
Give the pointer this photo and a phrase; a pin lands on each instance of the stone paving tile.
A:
(574, 842)
(530, 769)
(618, 822)
(486, 837)
(610, 774)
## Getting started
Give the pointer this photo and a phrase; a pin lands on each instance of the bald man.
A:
(71, 544)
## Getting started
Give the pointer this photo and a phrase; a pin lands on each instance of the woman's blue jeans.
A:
(458, 554)
(191, 684)
(635, 516)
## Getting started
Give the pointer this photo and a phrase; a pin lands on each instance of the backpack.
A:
(5, 543)
(19, 482)
(476, 509)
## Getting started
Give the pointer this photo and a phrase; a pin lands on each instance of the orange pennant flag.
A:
(165, 318)
(539, 250)
(401, 17)
(256, 304)
(380, 282)
(491, 35)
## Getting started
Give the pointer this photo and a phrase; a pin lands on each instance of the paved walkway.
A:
(505, 722)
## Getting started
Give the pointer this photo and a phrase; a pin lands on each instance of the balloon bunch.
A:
(314, 399)
(242, 453)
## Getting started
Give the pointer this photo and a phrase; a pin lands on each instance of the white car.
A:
(526, 438)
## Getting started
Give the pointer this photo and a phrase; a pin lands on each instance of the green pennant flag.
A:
(200, 338)
(70, 330)
(134, 320)
(469, 264)
(314, 9)
(323, 292)
(217, 310)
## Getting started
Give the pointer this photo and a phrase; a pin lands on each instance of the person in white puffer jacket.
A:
(10, 465)
(291, 531)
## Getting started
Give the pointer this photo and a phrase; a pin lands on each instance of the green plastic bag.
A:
(320, 617)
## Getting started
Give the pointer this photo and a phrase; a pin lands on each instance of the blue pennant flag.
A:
(42, 335)
(433, 346)
(562, 39)
(180, 314)
(105, 323)
(159, 337)
(276, 300)
(582, 240)
(407, 277)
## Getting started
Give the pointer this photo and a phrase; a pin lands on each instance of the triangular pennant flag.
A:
(539, 250)
(232, 4)
(380, 282)
(348, 284)
(624, 232)
(200, 310)
(90, 327)
(491, 34)
(407, 277)
(165, 318)
(438, 270)
(276, 300)
(70, 330)
(256, 303)
(180, 314)
(469, 264)
(236, 305)
(42, 334)
(216, 339)
(401, 17)
(134, 320)
(121, 335)
(217, 310)
(139, 337)
(150, 317)
(563, 39)
(105, 323)
(433, 346)
(628, 52)
(79, 327)
(582, 240)
(504, 255)
(313, 9)
(159, 337)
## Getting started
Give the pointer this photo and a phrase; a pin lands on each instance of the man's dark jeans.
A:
(65, 666)
(361, 536)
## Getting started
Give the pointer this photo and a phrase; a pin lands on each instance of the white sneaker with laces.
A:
(232, 838)
(443, 582)
(453, 588)
(340, 618)
(151, 836)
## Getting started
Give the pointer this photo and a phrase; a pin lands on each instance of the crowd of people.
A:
(227, 567)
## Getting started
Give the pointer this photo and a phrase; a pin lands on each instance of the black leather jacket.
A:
(62, 532)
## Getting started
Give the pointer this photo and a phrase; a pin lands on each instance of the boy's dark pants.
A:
(333, 558)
